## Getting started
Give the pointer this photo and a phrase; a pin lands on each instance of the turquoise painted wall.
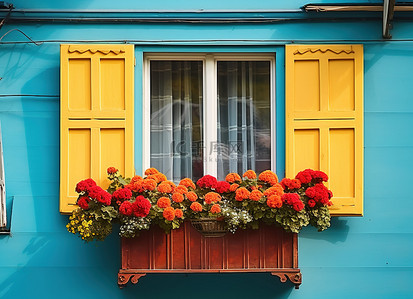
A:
(370, 256)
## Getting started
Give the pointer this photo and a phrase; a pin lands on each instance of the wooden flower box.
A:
(268, 249)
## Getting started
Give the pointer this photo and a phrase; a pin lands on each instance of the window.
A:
(212, 114)
(209, 114)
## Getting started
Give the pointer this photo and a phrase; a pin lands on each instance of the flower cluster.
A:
(240, 201)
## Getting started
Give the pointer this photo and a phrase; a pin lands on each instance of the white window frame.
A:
(210, 61)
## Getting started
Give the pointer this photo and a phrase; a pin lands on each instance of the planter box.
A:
(268, 249)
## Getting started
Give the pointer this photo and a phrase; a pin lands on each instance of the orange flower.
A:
(255, 195)
(179, 213)
(150, 171)
(250, 174)
(166, 187)
(169, 213)
(181, 189)
(177, 197)
(135, 179)
(196, 207)
(149, 184)
(187, 183)
(215, 209)
(211, 197)
(233, 187)
(241, 194)
(232, 177)
(274, 201)
(277, 189)
(163, 202)
(112, 170)
(191, 195)
(269, 177)
(160, 177)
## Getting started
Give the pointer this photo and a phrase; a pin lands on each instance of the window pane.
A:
(176, 118)
(244, 133)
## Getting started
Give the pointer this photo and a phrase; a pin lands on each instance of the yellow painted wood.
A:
(96, 124)
(324, 118)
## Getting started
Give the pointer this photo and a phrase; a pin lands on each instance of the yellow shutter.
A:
(96, 115)
(324, 118)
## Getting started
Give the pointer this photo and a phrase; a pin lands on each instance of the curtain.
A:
(244, 140)
(176, 118)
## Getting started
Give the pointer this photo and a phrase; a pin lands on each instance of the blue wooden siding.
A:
(370, 256)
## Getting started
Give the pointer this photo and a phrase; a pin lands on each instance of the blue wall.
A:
(355, 258)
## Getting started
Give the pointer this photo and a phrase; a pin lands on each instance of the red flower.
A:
(305, 176)
(100, 195)
(85, 185)
(163, 202)
(112, 170)
(320, 176)
(179, 213)
(126, 208)
(215, 209)
(294, 200)
(83, 202)
(169, 213)
(222, 187)
(319, 193)
(311, 203)
(290, 184)
(207, 181)
(141, 206)
(196, 207)
(122, 194)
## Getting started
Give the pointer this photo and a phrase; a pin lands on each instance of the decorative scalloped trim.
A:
(104, 50)
(301, 52)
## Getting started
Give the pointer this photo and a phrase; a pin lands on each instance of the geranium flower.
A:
(274, 201)
(222, 187)
(177, 197)
(191, 195)
(163, 202)
(269, 177)
(83, 202)
(233, 177)
(250, 174)
(150, 171)
(126, 208)
(187, 183)
(211, 197)
(207, 181)
(141, 206)
(215, 209)
(169, 213)
(179, 213)
(196, 207)
(112, 170)
(166, 187)
(241, 194)
(255, 195)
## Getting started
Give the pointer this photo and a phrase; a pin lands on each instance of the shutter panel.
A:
(96, 122)
(324, 118)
